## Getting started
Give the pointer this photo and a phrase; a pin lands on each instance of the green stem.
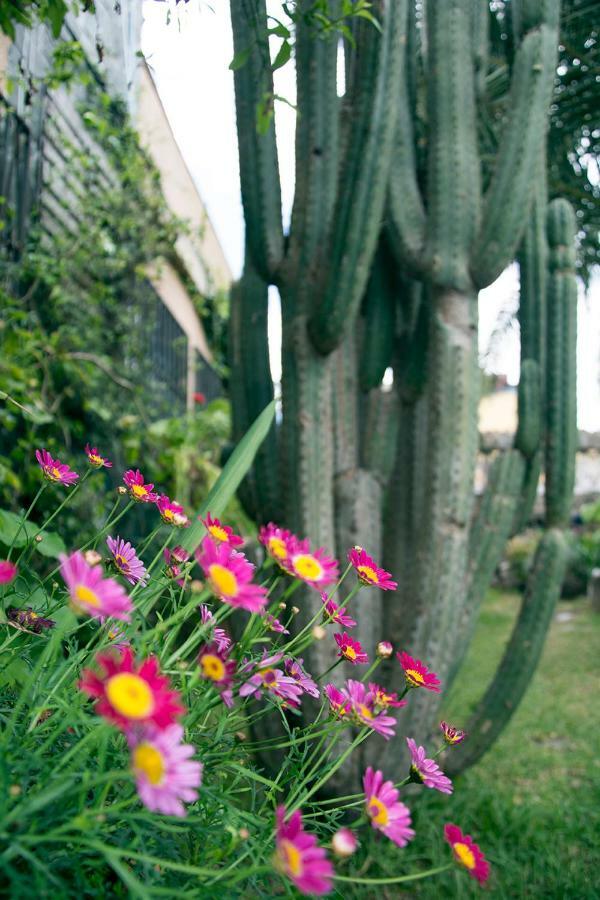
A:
(399, 880)
(25, 517)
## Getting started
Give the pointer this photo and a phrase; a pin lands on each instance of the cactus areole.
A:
(391, 238)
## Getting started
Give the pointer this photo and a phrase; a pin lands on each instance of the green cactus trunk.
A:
(388, 247)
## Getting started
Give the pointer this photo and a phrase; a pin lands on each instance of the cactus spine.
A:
(388, 246)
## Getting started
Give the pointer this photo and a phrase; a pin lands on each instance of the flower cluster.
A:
(140, 701)
(169, 647)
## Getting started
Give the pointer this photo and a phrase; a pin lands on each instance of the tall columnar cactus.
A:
(397, 223)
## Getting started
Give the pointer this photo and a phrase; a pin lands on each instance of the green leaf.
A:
(11, 532)
(240, 59)
(230, 478)
(51, 545)
(280, 31)
(285, 51)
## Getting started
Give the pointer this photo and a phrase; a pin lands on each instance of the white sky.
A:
(189, 58)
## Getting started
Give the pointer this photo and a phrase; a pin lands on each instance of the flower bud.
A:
(92, 557)
(384, 649)
(39, 538)
(243, 834)
(344, 842)
(295, 610)
(318, 633)
(197, 586)
(282, 606)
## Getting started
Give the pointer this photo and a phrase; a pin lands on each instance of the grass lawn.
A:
(533, 802)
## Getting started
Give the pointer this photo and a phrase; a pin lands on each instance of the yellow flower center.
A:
(378, 811)
(95, 459)
(465, 854)
(365, 711)
(415, 678)
(86, 595)
(218, 533)
(223, 580)
(150, 761)
(306, 566)
(212, 667)
(277, 547)
(130, 695)
(292, 858)
(120, 562)
(168, 514)
(268, 682)
(139, 490)
(54, 473)
(349, 652)
(368, 574)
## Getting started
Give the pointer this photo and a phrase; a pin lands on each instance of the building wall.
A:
(41, 124)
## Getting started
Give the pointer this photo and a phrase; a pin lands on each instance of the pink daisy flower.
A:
(293, 668)
(299, 857)
(369, 572)
(344, 842)
(117, 636)
(221, 533)
(215, 665)
(339, 702)
(230, 574)
(334, 613)
(386, 812)
(274, 624)
(277, 542)
(8, 571)
(28, 619)
(350, 649)
(128, 693)
(134, 482)
(172, 512)
(467, 853)
(174, 559)
(90, 592)
(452, 735)
(96, 459)
(364, 711)
(54, 470)
(316, 569)
(164, 773)
(418, 675)
(426, 771)
(275, 682)
(126, 561)
(384, 699)
(219, 635)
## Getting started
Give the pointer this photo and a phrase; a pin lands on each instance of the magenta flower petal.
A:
(90, 592)
(426, 771)
(8, 571)
(126, 561)
(467, 853)
(165, 775)
(350, 649)
(221, 533)
(368, 572)
(298, 856)
(54, 470)
(417, 674)
(386, 812)
(96, 459)
(138, 490)
(229, 575)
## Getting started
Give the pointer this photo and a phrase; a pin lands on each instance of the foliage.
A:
(79, 315)
(71, 822)
(535, 798)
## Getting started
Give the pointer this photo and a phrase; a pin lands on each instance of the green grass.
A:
(533, 802)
